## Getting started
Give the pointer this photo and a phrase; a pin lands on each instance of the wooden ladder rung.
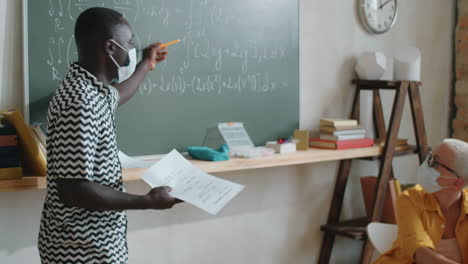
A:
(371, 84)
(355, 228)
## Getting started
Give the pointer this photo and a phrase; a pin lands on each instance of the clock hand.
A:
(384, 4)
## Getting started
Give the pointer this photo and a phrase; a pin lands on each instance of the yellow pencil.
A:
(162, 46)
(170, 43)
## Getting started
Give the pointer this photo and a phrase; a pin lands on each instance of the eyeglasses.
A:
(432, 161)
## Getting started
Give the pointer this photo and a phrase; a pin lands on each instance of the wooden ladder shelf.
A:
(356, 228)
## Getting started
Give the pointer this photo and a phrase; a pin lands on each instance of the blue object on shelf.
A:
(209, 154)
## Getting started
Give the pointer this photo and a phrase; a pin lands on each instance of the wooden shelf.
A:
(411, 150)
(312, 155)
(25, 183)
(355, 229)
(372, 85)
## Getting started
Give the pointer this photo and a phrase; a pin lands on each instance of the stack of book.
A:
(341, 134)
(10, 167)
(31, 153)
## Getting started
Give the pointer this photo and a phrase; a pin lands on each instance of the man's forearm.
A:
(93, 196)
(129, 87)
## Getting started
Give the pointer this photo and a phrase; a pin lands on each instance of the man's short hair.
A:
(95, 25)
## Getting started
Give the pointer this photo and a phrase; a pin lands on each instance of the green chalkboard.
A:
(238, 61)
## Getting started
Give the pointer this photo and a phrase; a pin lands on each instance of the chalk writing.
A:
(203, 63)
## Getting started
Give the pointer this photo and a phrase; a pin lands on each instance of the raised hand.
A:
(154, 54)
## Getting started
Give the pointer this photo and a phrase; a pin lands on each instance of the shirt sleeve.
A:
(75, 142)
(115, 97)
(411, 231)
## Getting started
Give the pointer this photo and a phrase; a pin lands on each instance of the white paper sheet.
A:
(131, 163)
(191, 184)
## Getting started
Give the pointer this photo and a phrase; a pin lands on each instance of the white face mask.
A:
(125, 71)
(427, 178)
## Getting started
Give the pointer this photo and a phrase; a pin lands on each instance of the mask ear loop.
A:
(120, 46)
(115, 62)
(112, 57)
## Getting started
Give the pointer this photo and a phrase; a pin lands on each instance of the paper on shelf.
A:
(132, 163)
(233, 134)
(191, 184)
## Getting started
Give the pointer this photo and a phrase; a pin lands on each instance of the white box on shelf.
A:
(407, 64)
(288, 147)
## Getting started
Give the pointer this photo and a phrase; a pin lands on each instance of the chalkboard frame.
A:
(25, 62)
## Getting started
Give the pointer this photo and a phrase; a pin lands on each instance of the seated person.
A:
(433, 216)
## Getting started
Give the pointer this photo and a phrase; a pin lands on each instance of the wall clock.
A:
(378, 16)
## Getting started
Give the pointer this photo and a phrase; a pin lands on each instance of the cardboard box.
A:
(303, 137)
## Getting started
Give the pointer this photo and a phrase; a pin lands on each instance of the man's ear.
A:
(109, 47)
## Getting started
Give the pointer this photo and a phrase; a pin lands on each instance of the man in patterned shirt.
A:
(84, 219)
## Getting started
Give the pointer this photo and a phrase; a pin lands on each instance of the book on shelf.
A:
(400, 142)
(7, 151)
(8, 140)
(341, 144)
(337, 122)
(347, 131)
(39, 142)
(401, 145)
(9, 162)
(342, 137)
(10, 165)
(402, 148)
(341, 128)
(11, 173)
(32, 158)
(39, 134)
(5, 128)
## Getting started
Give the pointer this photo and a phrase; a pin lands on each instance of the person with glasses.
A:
(432, 216)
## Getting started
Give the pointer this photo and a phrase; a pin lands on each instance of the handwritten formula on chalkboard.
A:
(237, 61)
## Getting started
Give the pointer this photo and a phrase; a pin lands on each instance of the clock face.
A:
(378, 16)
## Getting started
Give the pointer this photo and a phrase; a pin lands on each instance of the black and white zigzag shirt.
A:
(81, 144)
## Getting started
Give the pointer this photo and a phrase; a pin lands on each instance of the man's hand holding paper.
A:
(191, 184)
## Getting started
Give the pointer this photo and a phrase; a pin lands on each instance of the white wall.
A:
(276, 219)
(11, 56)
